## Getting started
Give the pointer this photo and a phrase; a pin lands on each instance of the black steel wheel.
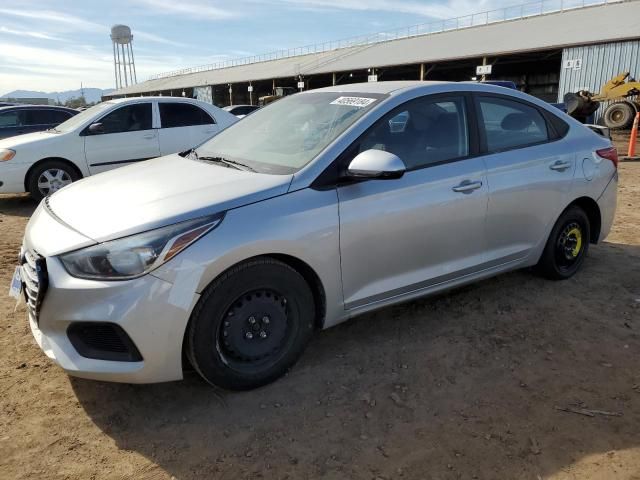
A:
(251, 325)
(567, 245)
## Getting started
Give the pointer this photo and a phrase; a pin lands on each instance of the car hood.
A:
(18, 140)
(156, 193)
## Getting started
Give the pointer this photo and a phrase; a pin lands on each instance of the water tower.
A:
(123, 63)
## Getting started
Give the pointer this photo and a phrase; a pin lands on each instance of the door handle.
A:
(149, 136)
(560, 166)
(467, 186)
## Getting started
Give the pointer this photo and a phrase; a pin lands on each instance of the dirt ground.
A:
(474, 384)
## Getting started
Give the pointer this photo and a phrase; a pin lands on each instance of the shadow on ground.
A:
(464, 385)
(17, 205)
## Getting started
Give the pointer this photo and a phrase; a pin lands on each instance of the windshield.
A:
(286, 135)
(82, 117)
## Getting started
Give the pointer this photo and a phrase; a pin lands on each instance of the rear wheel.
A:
(251, 325)
(49, 177)
(567, 245)
(619, 115)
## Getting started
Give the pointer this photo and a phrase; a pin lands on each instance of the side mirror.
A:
(96, 128)
(376, 164)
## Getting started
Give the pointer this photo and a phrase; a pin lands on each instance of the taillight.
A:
(610, 154)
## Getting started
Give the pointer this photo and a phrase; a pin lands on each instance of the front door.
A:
(427, 227)
(127, 136)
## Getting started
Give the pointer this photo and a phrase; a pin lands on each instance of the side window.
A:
(10, 119)
(130, 118)
(508, 124)
(59, 116)
(37, 117)
(422, 132)
(182, 115)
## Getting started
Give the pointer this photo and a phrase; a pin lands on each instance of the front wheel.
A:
(567, 245)
(251, 325)
(49, 177)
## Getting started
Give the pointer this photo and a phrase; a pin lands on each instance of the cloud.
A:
(55, 17)
(201, 10)
(151, 37)
(30, 33)
(435, 10)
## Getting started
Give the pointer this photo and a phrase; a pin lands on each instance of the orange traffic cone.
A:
(634, 137)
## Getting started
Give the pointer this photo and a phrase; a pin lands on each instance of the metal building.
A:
(526, 44)
(589, 67)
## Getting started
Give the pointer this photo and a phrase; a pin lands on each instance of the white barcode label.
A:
(353, 101)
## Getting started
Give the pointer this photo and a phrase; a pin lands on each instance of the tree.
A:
(76, 102)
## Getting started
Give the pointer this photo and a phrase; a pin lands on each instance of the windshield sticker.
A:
(359, 102)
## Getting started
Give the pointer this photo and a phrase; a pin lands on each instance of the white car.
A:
(109, 135)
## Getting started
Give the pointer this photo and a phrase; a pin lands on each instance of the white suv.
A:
(106, 136)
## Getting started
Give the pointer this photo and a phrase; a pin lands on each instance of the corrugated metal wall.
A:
(596, 65)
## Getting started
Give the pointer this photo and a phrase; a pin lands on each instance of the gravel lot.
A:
(490, 381)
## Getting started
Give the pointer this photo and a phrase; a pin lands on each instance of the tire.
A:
(567, 245)
(49, 176)
(251, 325)
(619, 115)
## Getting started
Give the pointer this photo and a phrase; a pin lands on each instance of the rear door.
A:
(183, 126)
(403, 235)
(128, 136)
(529, 172)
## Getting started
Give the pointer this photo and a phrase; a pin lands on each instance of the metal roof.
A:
(581, 26)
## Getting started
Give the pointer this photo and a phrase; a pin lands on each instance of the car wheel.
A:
(49, 177)
(251, 325)
(567, 245)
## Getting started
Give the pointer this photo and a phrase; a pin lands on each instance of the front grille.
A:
(34, 280)
(103, 341)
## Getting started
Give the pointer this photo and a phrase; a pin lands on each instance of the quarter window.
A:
(182, 115)
(130, 118)
(422, 132)
(508, 124)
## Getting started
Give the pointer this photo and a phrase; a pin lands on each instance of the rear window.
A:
(182, 115)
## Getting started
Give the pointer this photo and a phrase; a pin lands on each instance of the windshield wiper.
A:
(225, 161)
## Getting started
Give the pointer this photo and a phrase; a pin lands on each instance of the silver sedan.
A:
(320, 207)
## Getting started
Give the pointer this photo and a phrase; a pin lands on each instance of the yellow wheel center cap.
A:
(577, 235)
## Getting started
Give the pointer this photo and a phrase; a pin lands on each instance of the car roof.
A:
(30, 107)
(379, 87)
(155, 97)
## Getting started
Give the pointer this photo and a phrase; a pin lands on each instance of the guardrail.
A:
(516, 12)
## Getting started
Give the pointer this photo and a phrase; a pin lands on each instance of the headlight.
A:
(133, 256)
(6, 154)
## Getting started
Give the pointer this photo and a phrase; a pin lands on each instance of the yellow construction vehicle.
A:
(278, 93)
(619, 114)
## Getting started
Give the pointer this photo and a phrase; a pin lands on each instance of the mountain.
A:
(91, 95)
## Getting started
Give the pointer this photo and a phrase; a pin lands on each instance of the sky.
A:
(54, 46)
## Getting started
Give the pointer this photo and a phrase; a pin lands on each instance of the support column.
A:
(333, 81)
(484, 62)
(422, 71)
(230, 95)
